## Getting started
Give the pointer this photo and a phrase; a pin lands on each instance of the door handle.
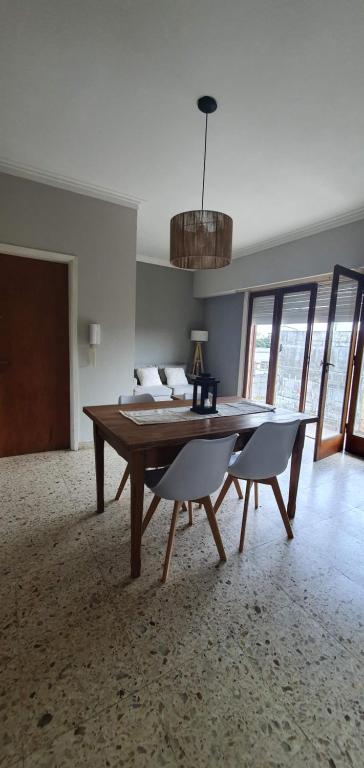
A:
(327, 365)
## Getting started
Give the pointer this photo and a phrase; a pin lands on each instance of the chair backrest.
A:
(198, 470)
(126, 399)
(268, 451)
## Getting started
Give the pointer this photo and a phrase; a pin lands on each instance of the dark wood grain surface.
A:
(34, 348)
(143, 436)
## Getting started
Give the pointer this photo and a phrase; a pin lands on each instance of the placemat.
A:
(168, 415)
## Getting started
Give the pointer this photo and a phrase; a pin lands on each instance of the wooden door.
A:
(338, 361)
(34, 356)
(355, 427)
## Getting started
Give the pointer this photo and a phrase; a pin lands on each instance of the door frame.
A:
(325, 447)
(72, 261)
(354, 443)
(279, 294)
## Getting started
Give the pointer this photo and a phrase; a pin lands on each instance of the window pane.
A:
(261, 335)
(291, 349)
(341, 339)
(317, 350)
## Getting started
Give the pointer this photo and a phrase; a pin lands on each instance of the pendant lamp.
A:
(201, 239)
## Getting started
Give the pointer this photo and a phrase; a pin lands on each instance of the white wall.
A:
(307, 257)
(103, 237)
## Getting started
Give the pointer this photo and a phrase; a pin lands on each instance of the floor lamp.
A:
(198, 337)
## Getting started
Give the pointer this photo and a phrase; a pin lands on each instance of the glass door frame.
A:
(355, 443)
(327, 446)
(279, 294)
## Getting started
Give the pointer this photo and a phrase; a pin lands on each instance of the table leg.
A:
(137, 465)
(99, 444)
(295, 470)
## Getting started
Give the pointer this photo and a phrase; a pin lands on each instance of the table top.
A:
(143, 436)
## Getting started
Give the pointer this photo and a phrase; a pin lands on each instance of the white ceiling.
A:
(103, 92)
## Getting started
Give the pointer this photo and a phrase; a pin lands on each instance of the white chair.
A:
(196, 472)
(126, 400)
(264, 457)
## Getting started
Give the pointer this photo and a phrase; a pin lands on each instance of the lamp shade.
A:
(201, 239)
(199, 335)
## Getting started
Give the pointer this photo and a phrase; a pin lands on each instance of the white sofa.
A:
(158, 392)
(162, 391)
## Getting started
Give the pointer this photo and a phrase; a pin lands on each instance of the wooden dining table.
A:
(156, 445)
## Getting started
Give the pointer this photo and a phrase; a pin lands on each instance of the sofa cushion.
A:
(149, 377)
(160, 391)
(175, 377)
(183, 389)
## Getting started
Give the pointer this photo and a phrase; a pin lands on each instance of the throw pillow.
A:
(175, 376)
(149, 377)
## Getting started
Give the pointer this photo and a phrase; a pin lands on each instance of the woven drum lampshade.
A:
(201, 240)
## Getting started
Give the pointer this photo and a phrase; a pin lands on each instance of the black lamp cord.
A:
(204, 163)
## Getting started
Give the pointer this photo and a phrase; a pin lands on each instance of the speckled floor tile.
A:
(216, 710)
(8, 619)
(337, 603)
(337, 549)
(128, 734)
(252, 663)
(314, 677)
(10, 706)
(73, 677)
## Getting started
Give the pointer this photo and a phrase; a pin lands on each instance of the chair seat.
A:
(153, 476)
(252, 473)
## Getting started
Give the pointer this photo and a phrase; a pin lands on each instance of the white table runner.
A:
(167, 415)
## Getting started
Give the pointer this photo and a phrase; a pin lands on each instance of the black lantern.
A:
(202, 403)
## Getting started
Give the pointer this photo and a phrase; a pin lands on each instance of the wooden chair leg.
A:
(223, 492)
(281, 507)
(245, 514)
(256, 496)
(238, 488)
(184, 507)
(152, 508)
(190, 517)
(122, 483)
(214, 527)
(172, 532)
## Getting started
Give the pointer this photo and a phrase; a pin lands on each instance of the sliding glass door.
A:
(342, 364)
(306, 353)
(279, 343)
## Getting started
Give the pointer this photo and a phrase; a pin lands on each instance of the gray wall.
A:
(223, 320)
(103, 237)
(307, 257)
(165, 313)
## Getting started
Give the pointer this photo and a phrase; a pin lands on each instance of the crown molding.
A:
(70, 184)
(289, 237)
(157, 262)
(297, 234)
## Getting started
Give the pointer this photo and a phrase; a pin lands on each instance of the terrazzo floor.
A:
(256, 663)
